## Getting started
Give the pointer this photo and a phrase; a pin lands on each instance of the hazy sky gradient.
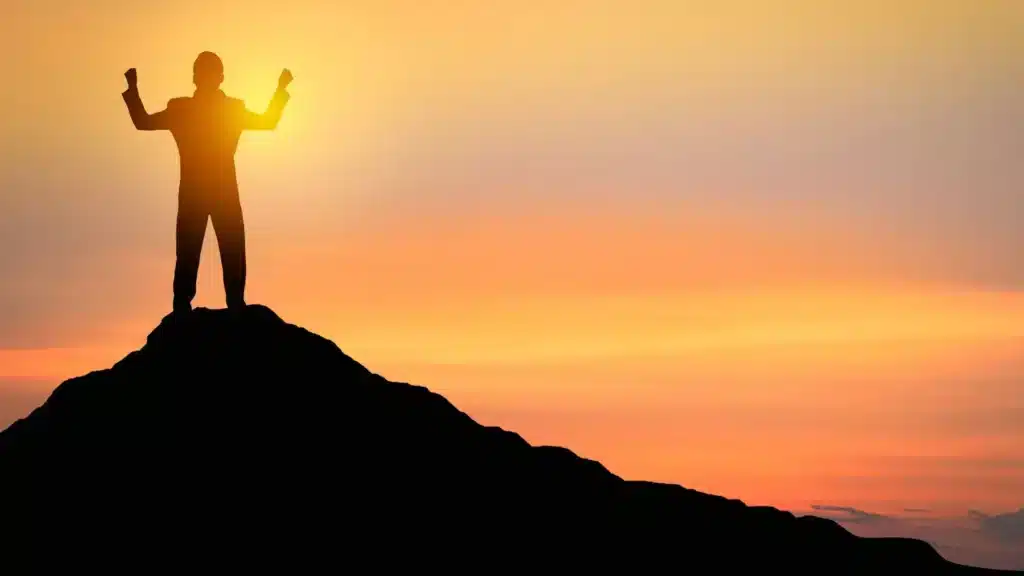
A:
(770, 250)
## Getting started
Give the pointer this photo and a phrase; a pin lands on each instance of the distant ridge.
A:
(235, 440)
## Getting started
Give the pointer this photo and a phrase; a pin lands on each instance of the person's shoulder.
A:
(234, 103)
(175, 103)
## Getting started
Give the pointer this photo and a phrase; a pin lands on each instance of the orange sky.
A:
(769, 250)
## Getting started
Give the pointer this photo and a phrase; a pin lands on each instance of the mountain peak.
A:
(234, 436)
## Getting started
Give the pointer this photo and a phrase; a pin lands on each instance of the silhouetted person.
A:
(206, 128)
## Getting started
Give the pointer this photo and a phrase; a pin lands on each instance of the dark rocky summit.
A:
(233, 440)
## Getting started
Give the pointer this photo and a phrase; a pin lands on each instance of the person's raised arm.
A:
(269, 119)
(142, 120)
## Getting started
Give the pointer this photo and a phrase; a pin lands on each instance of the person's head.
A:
(208, 71)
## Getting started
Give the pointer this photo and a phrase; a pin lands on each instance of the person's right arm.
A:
(140, 118)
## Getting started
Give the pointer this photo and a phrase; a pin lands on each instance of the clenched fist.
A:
(285, 79)
(131, 77)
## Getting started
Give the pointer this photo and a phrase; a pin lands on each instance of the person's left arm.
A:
(270, 118)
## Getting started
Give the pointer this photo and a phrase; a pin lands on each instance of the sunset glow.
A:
(769, 250)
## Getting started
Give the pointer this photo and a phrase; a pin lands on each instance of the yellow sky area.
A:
(567, 286)
(814, 328)
(456, 254)
(578, 287)
(584, 328)
(363, 67)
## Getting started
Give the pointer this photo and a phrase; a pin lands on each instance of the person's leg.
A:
(191, 229)
(230, 231)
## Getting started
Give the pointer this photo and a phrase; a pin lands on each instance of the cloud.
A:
(848, 514)
(1007, 527)
(975, 538)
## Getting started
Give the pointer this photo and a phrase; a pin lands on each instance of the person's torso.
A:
(206, 130)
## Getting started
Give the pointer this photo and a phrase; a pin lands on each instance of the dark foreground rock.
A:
(237, 441)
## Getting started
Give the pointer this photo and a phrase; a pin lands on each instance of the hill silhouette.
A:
(233, 439)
